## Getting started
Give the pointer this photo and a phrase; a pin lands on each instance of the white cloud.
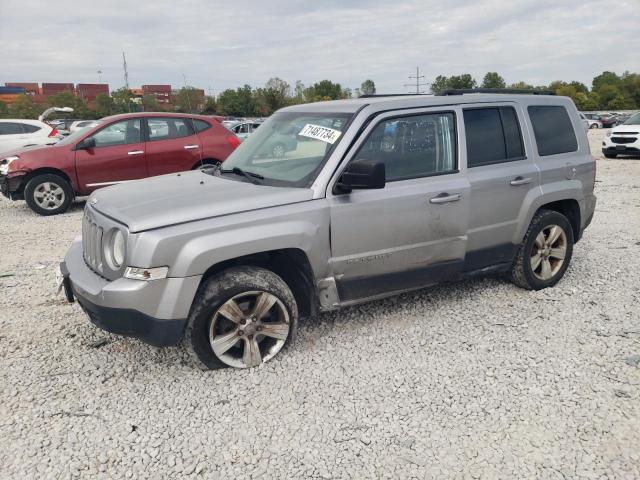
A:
(220, 44)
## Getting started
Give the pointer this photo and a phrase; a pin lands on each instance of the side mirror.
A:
(86, 144)
(361, 175)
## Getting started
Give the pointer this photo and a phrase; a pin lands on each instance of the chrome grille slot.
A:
(92, 238)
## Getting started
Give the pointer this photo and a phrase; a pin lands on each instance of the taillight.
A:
(233, 141)
(53, 133)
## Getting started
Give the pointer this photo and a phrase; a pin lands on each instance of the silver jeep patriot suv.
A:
(332, 204)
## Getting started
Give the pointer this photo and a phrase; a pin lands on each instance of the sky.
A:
(223, 44)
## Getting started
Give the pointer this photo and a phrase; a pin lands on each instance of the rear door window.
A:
(168, 128)
(493, 136)
(201, 125)
(553, 130)
(30, 128)
(10, 128)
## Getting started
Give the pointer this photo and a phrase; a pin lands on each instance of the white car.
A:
(623, 139)
(589, 123)
(19, 133)
(244, 129)
(77, 125)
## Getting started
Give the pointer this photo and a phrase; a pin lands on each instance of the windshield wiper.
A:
(252, 177)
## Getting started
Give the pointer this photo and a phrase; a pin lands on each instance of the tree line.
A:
(609, 91)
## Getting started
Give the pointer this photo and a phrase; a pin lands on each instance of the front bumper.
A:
(10, 187)
(155, 312)
(622, 149)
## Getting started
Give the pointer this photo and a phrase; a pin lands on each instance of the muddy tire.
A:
(545, 252)
(241, 317)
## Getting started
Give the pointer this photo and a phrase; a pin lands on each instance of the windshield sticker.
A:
(318, 132)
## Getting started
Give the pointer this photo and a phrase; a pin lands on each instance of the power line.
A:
(418, 83)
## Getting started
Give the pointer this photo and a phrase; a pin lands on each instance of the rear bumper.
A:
(155, 312)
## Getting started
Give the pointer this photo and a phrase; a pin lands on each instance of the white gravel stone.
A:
(477, 379)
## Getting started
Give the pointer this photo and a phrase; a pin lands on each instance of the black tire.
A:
(610, 155)
(205, 164)
(34, 187)
(593, 125)
(217, 291)
(522, 273)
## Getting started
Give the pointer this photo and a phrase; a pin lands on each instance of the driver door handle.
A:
(520, 181)
(135, 152)
(190, 147)
(445, 198)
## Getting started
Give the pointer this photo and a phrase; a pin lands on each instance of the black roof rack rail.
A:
(376, 95)
(521, 91)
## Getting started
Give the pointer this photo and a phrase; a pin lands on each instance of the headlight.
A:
(147, 274)
(115, 250)
(4, 164)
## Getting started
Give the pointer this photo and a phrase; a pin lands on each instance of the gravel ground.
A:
(471, 380)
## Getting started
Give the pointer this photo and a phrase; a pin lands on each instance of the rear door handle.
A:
(520, 181)
(135, 152)
(445, 198)
(190, 147)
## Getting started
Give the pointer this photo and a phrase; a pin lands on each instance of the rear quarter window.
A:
(30, 128)
(553, 130)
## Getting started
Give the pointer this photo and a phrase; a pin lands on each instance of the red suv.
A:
(121, 148)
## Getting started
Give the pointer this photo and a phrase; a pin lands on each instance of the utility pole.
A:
(126, 80)
(186, 90)
(126, 73)
(418, 83)
(99, 76)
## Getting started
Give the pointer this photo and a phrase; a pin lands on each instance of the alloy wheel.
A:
(548, 252)
(249, 329)
(49, 195)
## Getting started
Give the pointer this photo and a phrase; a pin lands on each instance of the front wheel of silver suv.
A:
(241, 317)
(545, 252)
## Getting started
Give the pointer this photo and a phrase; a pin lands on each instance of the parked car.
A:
(623, 139)
(608, 120)
(18, 133)
(78, 124)
(119, 149)
(244, 129)
(590, 122)
(228, 260)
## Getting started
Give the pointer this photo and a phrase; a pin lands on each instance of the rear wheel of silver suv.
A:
(545, 252)
(241, 317)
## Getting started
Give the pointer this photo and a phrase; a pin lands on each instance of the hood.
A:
(177, 198)
(626, 128)
(27, 151)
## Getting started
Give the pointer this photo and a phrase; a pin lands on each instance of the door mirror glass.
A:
(86, 144)
(361, 175)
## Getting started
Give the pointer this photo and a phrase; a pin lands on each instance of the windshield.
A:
(634, 120)
(73, 137)
(288, 149)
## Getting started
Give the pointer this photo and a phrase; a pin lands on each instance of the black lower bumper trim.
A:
(628, 150)
(125, 321)
(132, 323)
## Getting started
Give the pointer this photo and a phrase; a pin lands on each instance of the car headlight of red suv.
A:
(5, 162)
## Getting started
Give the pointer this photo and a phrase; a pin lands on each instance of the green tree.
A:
(103, 105)
(493, 80)
(521, 86)
(275, 95)
(605, 78)
(298, 95)
(620, 102)
(210, 106)
(189, 99)
(23, 107)
(123, 101)
(368, 87)
(439, 84)
(149, 103)
(323, 90)
(68, 99)
(4, 110)
(462, 81)
(240, 102)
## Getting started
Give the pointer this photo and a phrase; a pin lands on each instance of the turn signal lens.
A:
(146, 274)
